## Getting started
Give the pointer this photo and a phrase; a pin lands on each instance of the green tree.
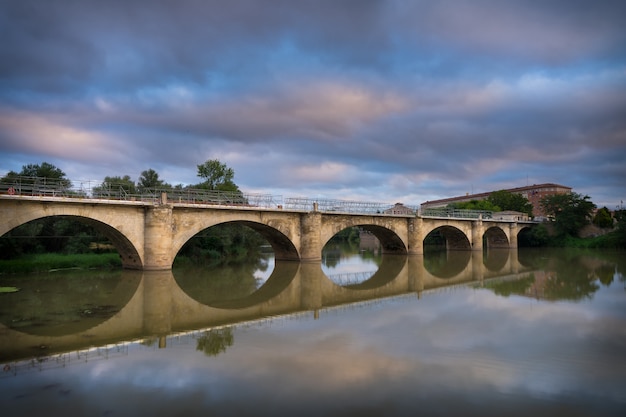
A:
(603, 218)
(116, 187)
(39, 174)
(571, 211)
(507, 200)
(217, 176)
(149, 179)
(475, 205)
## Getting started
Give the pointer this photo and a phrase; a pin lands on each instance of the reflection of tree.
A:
(605, 274)
(563, 275)
(573, 286)
(506, 288)
(214, 342)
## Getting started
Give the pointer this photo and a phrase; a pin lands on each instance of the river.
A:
(516, 333)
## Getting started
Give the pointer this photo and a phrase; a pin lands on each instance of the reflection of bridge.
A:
(148, 235)
(159, 306)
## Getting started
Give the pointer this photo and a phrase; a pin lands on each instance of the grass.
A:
(50, 262)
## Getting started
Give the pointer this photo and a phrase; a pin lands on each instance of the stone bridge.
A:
(148, 235)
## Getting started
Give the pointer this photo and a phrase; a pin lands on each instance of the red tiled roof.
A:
(485, 195)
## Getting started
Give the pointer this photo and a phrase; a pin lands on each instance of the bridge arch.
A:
(127, 244)
(277, 233)
(455, 238)
(390, 232)
(495, 237)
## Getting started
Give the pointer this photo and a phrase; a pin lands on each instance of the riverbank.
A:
(52, 262)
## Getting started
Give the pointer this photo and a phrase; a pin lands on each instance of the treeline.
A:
(568, 213)
(215, 175)
(70, 236)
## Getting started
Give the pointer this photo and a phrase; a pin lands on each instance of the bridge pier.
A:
(310, 235)
(513, 236)
(416, 236)
(477, 235)
(158, 236)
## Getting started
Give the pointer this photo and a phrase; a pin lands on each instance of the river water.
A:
(515, 333)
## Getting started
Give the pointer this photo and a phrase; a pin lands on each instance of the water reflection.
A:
(101, 305)
(65, 302)
(446, 264)
(572, 275)
(396, 344)
(348, 264)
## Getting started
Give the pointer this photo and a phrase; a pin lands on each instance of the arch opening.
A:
(237, 240)
(447, 238)
(69, 234)
(495, 238)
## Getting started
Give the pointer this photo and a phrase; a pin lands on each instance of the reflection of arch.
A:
(387, 271)
(446, 264)
(495, 237)
(282, 275)
(76, 308)
(455, 238)
(496, 259)
(128, 253)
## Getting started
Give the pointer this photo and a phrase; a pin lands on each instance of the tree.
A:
(571, 211)
(507, 200)
(603, 218)
(217, 176)
(475, 205)
(115, 187)
(44, 173)
(149, 179)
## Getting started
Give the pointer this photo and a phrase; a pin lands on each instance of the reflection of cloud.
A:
(404, 352)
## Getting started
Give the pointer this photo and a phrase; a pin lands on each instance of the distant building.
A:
(534, 193)
(399, 208)
(510, 215)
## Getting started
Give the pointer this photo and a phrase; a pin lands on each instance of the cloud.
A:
(412, 100)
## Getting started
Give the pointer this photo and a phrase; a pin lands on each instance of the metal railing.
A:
(456, 213)
(342, 206)
(99, 190)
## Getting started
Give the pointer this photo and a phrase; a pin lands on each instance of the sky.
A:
(382, 101)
